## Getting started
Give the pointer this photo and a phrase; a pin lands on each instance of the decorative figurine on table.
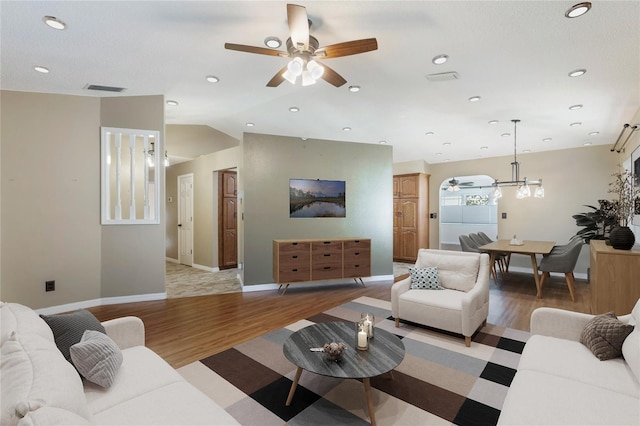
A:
(334, 350)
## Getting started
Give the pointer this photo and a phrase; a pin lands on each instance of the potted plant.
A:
(624, 186)
(598, 223)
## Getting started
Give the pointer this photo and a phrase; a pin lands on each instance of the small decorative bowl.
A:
(334, 350)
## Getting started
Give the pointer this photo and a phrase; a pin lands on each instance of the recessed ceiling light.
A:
(54, 22)
(382, 142)
(474, 99)
(577, 73)
(250, 124)
(172, 103)
(446, 144)
(429, 133)
(484, 147)
(272, 42)
(447, 160)
(440, 59)
(574, 107)
(346, 129)
(594, 133)
(354, 89)
(546, 140)
(526, 151)
(493, 122)
(578, 9)
(577, 123)
(438, 153)
(586, 143)
(504, 135)
(294, 109)
(212, 79)
(43, 70)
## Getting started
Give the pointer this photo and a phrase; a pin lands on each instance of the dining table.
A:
(526, 247)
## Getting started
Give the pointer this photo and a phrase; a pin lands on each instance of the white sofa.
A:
(40, 387)
(462, 307)
(560, 382)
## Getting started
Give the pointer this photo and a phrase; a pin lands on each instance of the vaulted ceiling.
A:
(514, 55)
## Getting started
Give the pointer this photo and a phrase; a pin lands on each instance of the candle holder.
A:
(362, 339)
(369, 322)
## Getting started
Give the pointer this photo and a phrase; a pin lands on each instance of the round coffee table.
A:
(385, 352)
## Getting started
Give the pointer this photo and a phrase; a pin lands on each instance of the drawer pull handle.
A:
(327, 267)
(294, 257)
(357, 253)
(326, 255)
(294, 270)
(356, 241)
(294, 244)
(327, 242)
(357, 266)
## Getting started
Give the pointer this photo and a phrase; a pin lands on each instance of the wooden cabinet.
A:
(319, 260)
(614, 278)
(410, 216)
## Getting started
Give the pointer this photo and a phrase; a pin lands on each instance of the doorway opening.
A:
(466, 206)
(185, 219)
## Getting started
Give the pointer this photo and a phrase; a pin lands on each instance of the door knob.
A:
(179, 224)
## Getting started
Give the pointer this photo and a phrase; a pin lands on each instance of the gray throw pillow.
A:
(604, 336)
(97, 358)
(69, 328)
(425, 278)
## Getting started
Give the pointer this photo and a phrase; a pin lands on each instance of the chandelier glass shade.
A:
(523, 185)
(151, 155)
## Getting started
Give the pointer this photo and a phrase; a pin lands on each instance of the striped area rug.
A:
(440, 381)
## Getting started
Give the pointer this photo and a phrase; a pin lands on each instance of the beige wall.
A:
(268, 164)
(132, 255)
(191, 140)
(50, 198)
(205, 204)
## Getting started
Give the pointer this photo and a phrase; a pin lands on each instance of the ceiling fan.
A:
(454, 185)
(305, 52)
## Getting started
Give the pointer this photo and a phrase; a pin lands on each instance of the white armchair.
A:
(462, 307)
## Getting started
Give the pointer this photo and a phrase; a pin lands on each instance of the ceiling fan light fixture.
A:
(315, 69)
(295, 66)
(212, 79)
(307, 78)
(354, 89)
(289, 76)
(578, 9)
(41, 69)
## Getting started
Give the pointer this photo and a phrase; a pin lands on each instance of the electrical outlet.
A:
(504, 215)
(49, 286)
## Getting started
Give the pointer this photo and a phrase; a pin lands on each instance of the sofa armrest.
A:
(127, 332)
(558, 323)
(396, 290)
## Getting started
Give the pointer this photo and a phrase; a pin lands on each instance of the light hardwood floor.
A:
(187, 329)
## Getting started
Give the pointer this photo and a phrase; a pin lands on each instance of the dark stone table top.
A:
(385, 351)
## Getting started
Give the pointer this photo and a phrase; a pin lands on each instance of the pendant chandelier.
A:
(151, 155)
(523, 185)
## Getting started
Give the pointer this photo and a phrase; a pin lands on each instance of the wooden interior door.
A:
(227, 219)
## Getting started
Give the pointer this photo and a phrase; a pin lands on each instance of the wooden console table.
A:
(296, 261)
(614, 278)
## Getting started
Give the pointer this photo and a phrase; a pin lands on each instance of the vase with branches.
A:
(628, 193)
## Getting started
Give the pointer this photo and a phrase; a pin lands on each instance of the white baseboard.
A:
(205, 268)
(171, 259)
(100, 302)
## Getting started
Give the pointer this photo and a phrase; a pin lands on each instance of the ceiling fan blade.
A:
(255, 49)
(332, 77)
(277, 79)
(298, 26)
(347, 48)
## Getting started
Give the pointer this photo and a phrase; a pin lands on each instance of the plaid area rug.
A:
(440, 381)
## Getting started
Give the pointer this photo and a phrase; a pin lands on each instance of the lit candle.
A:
(362, 339)
(368, 325)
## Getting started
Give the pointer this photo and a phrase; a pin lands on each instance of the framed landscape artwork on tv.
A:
(317, 198)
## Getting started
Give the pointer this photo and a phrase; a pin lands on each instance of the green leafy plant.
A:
(597, 223)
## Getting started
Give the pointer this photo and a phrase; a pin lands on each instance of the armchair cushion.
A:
(425, 278)
(455, 272)
(604, 336)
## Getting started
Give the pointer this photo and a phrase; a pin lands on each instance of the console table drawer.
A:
(355, 270)
(295, 274)
(327, 271)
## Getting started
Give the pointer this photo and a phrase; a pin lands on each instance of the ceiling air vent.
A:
(443, 76)
(104, 88)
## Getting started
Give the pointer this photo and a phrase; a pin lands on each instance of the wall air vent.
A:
(443, 76)
(104, 88)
